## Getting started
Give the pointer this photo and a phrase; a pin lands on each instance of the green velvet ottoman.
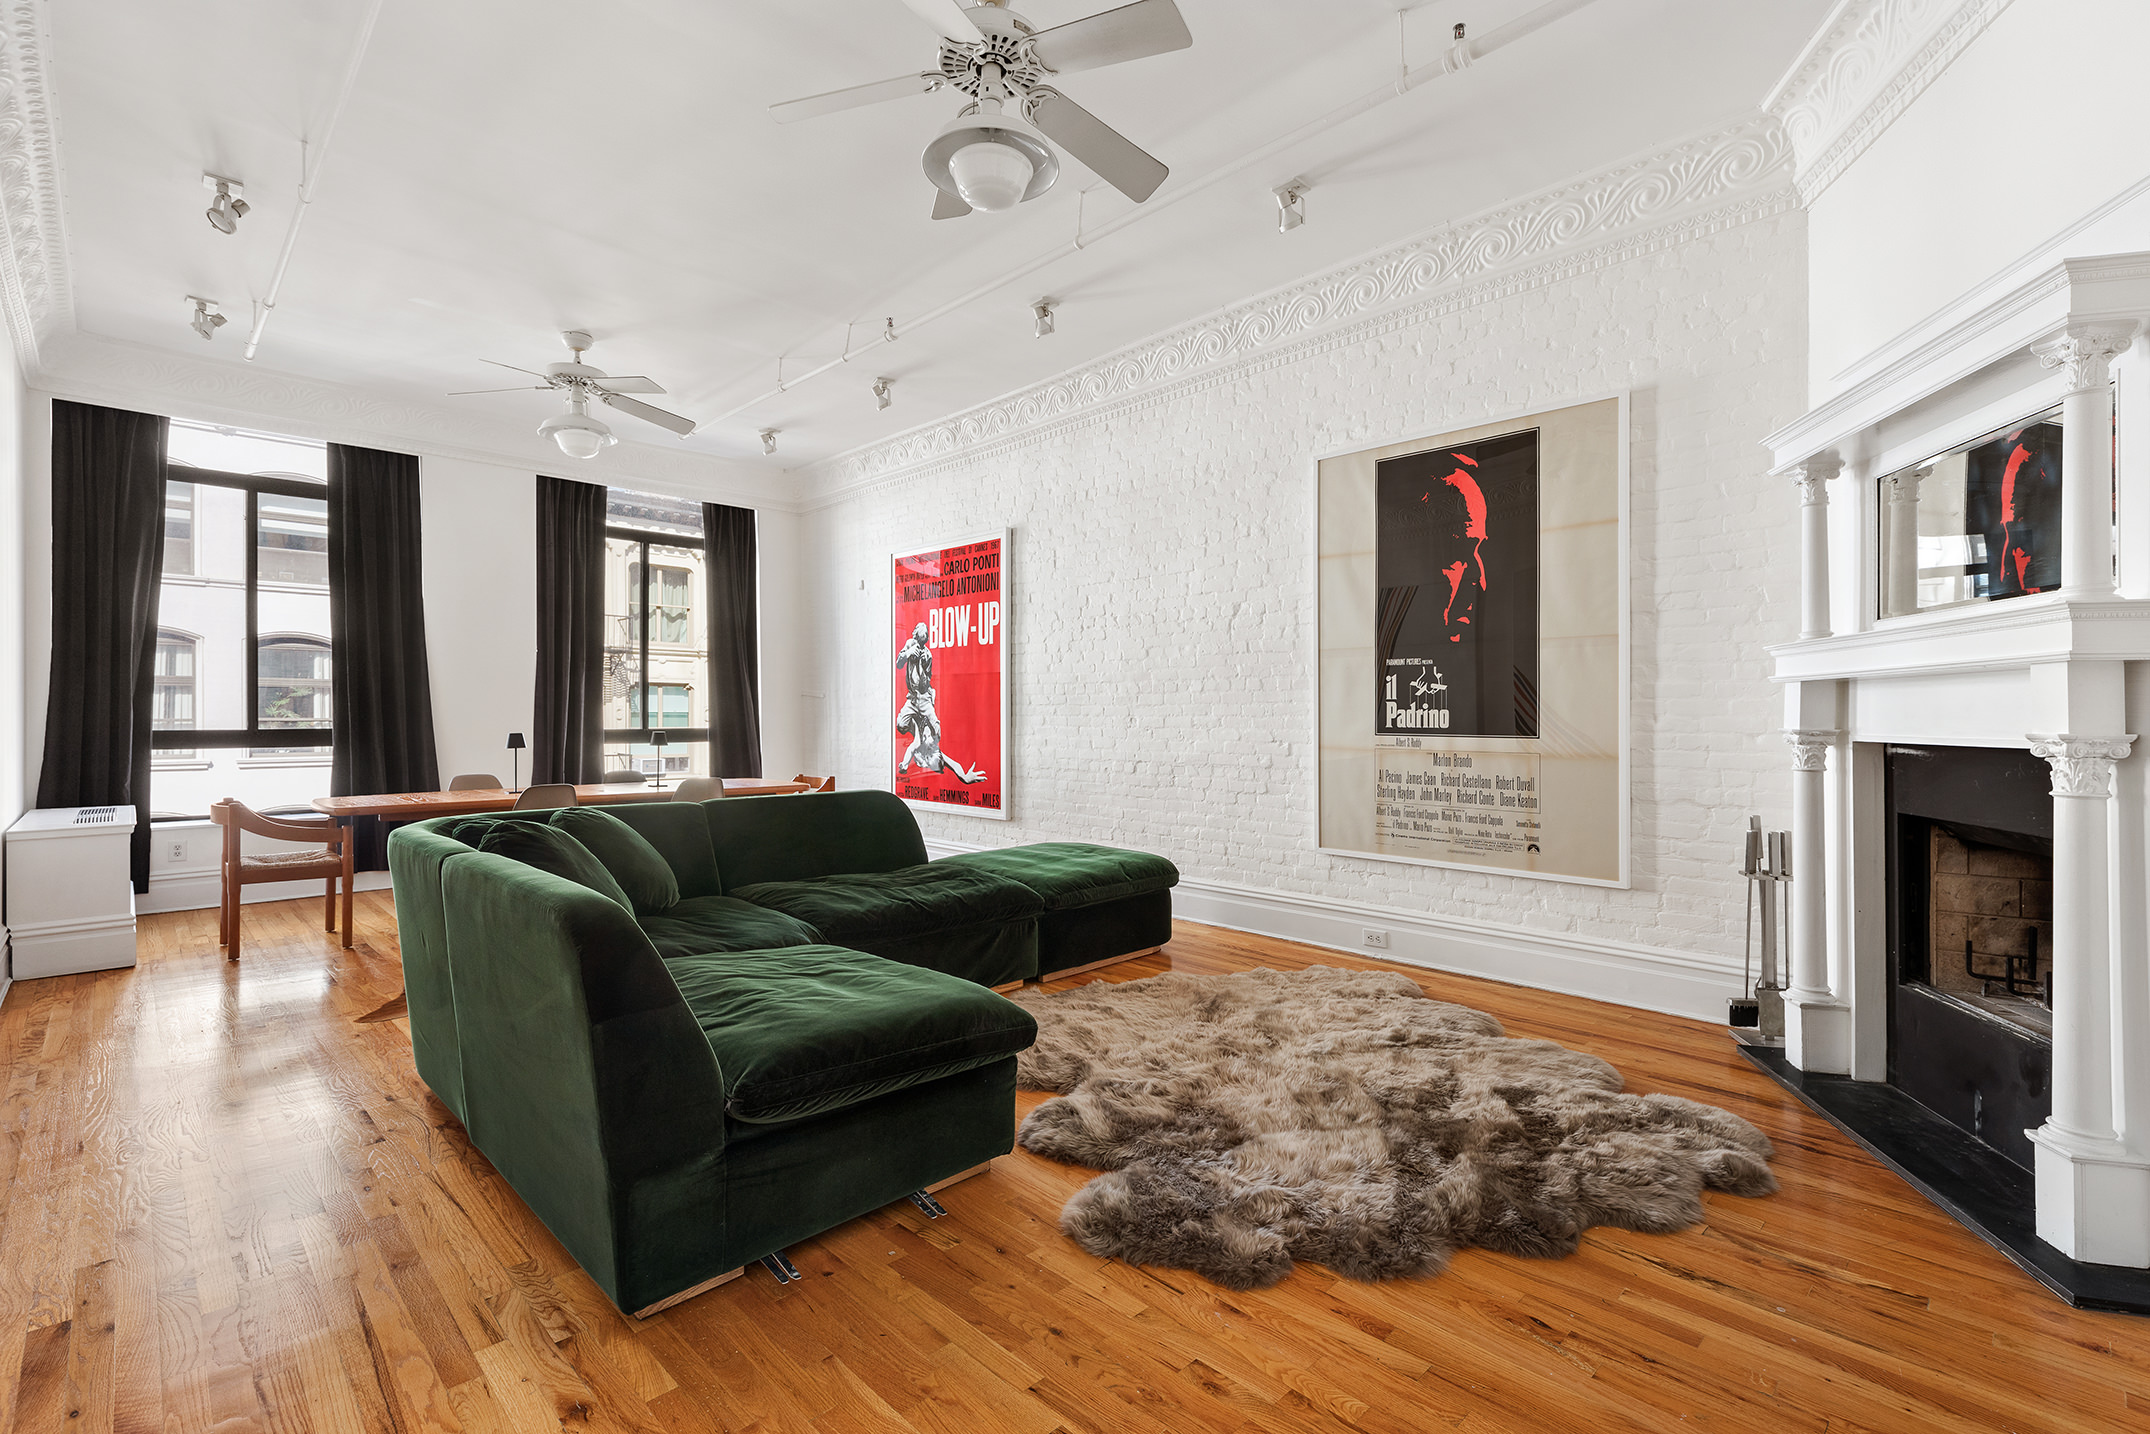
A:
(1102, 903)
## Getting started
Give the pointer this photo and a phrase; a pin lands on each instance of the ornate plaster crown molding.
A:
(1696, 187)
(35, 293)
(1862, 69)
(126, 375)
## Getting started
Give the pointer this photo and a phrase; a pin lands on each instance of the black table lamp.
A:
(515, 747)
(657, 739)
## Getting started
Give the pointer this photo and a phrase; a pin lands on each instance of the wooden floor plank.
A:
(232, 1204)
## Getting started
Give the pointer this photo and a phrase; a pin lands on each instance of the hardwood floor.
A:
(230, 1206)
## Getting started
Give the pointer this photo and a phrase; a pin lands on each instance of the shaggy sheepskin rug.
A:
(1344, 1117)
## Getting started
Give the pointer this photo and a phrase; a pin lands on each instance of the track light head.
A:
(768, 440)
(883, 392)
(206, 320)
(227, 209)
(1041, 318)
(1291, 205)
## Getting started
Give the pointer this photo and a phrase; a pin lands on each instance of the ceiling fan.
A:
(994, 155)
(578, 434)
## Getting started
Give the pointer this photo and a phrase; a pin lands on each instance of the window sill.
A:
(190, 766)
(248, 763)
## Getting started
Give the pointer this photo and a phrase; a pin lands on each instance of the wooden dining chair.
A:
(698, 789)
(473, 782)
(332, 864)
(545, 797)
(816, 784)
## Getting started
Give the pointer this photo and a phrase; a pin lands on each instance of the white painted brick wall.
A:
(1162, 589)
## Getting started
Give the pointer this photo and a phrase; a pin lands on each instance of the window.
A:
(243, 677)
(656, 656)
(179, 527)
(291, 688)
(172, 694)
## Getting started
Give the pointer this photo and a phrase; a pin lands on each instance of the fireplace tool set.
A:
(1756, 1015)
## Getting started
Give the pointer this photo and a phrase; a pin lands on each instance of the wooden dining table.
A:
(417, 806)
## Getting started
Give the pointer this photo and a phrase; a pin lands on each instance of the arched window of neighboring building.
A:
(291, 687)
(173, 690)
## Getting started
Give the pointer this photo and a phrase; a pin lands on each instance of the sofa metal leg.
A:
(932, 1208)
(684, 1295)
(784, 1270)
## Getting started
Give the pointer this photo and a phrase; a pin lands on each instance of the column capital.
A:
(1813, 476)
(1810, 747)
(2084, 353)
(2082, 766)
(1904, 487)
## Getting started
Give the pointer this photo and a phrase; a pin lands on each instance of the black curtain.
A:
(568, 728)
(383, 689)
(107, 559)
(734, 642)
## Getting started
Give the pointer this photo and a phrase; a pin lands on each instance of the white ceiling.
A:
(509, 168)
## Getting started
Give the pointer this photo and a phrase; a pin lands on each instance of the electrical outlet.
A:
(175, 851)
(1377, 939)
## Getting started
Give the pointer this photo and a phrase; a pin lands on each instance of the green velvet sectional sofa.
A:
(692, 1034)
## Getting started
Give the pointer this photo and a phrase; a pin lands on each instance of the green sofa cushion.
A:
(792, 838)
(912, 901)
(680, 833)
(549, 849)
(702, 924)
(638, 867)
(817, 1028)
(1069, 874)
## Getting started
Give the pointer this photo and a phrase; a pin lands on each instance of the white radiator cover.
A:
(70, 896)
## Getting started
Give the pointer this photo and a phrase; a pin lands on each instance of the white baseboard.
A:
(1677, 983)
(201, 890)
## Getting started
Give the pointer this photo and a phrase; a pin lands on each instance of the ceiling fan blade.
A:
(628, 383)
(496, 363)
(947, 206)
(1114, 157)
(519, 388)
(827, 104)
(947, 17)
(680, 426)
(1147, 27)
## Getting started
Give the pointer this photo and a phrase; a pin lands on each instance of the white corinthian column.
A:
(2084, 355)
(2093, 1192)
(1817, 1022)
(1813, 478)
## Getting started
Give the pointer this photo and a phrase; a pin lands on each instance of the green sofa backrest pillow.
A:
(549, 849)
(801, 838)
(680, 833)
(638, 867)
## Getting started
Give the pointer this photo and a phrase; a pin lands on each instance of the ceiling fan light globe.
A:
(991, 176)
(578, 435)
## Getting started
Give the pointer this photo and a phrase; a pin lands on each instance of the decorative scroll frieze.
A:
(1693, 188)
(1876, 57)
(34, 286)
(2082, 766)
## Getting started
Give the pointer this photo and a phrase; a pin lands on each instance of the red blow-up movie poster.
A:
(949, 698)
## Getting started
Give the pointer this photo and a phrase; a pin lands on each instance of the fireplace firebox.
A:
(1970, 885)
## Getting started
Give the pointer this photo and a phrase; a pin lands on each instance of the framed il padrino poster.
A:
(1473, 619)
(949, 700)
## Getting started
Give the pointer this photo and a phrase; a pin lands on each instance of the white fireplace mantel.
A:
(2063, 675)
(2109, 288)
